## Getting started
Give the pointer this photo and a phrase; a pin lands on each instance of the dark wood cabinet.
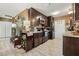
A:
(76, 11)
(29, 42)
(50, 35)
(50, 21)
(51, 25)
(33, 14)
(38, 39)
(70, 46)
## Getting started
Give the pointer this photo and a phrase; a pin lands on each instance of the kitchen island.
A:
(70, 44)
(33, 39)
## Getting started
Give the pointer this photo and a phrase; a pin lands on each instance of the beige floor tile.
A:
(49, 48)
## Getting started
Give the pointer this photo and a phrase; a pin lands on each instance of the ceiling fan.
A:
(9, 16)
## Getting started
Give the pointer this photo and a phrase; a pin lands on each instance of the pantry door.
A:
(2, 30)
(5, 30)
(8, 26)
(59, 29)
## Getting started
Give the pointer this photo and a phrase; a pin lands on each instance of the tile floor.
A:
(49, 48)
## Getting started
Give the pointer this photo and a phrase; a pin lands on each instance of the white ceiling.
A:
(13, 9)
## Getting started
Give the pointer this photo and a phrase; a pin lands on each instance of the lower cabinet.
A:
(70, 46)
(29, 42)
(38, 39)
(50, 35)
(36, 42)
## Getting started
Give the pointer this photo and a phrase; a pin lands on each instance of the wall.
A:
(5, 19)
(24, 13)
(23, 22)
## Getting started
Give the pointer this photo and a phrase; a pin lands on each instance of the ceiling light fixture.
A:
(70, 12)
(55, 13)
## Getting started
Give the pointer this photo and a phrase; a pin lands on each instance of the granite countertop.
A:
(70, 34)
(31, 33)
(40, 31)
(36, 31)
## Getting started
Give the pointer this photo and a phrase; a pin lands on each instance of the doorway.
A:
(59, 29)
(5, 30)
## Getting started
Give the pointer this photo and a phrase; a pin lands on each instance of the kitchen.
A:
(30, 27)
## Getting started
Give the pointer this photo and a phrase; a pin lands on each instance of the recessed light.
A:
(70, 12)
(55, 13)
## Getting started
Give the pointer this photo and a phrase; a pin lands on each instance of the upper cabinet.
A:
(37, 18)
(76, 11)
(50, 21)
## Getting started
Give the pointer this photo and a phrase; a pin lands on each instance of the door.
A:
(8, 26)
(59, 28)
(2, 30)
(5, 29)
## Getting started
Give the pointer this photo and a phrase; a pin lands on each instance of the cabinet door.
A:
(40, 38)
(76, 11)
(36, 42)
(68, 46)
(29, 42)
(76, 46)
(36, 39)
